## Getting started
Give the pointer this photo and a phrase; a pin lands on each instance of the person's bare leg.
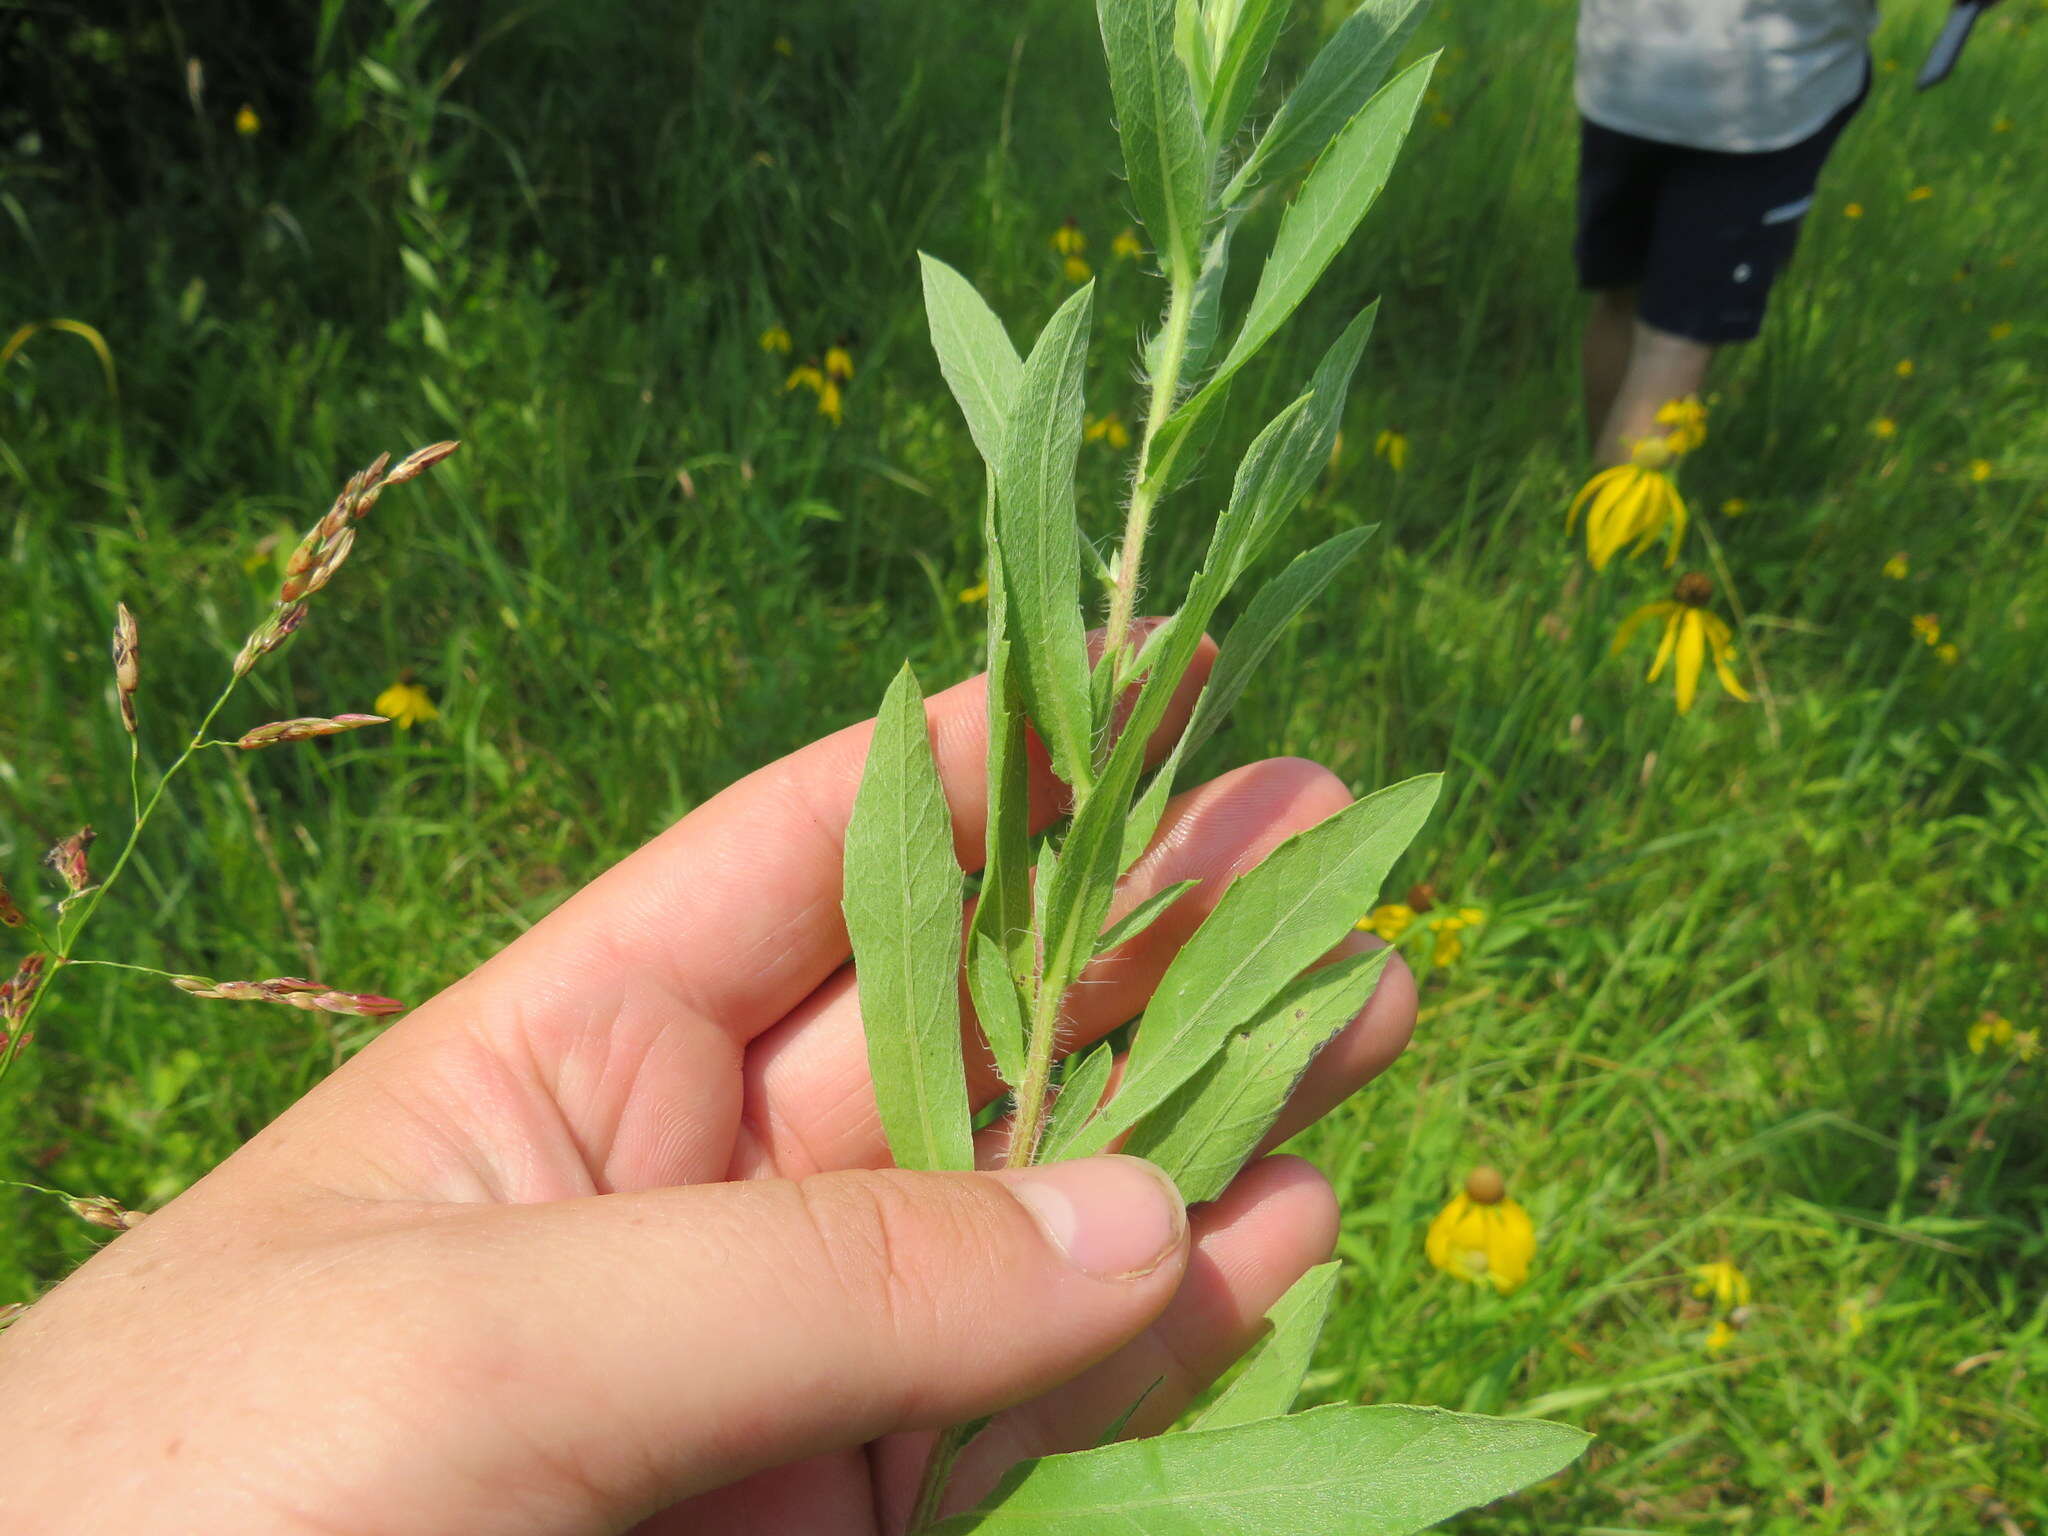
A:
(1661, 368)
(1610, 332)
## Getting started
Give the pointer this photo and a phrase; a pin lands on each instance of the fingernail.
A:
(1115, 1218)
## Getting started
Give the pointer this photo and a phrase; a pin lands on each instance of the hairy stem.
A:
(938, 1471)
(1180, 311)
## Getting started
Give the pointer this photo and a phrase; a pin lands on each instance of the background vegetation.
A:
(1720, 1005)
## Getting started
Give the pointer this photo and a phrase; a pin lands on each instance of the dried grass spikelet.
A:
(127, 663)
(103, 1212)
(19, 988)
(11, 916)
(279, 627)
(279, 732)
(293, 992)
(67, 858)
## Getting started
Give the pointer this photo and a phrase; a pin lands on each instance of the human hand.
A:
(605, 1233)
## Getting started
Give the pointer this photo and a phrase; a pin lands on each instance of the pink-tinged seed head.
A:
(280, 731)
(103, 1212)
(67, 858)
(11, 916)
(419, 461)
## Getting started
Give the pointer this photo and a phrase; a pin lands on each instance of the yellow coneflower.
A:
(1723, 1282)
(1990, 1029)
(784, 48)
(1948, 653)
(1852, 210)
(1884, 428)
(1447, 932)
(1920, 194)
(1126, 246)
(978, 593)
(806, 376)
(1389, 921)
(1068, 239)
(406, 704)
(1734, 506)
(839, 362)
(2000, 331)
(1898, 567)
(1636, 500)
(1980, 470)
(1108, 429)
(775, 340)
(1482, 1235)
(831, 404)
(1927, 626)
(247, 123)
(1391, 446)
(1691, 635)
(1905, 368)
(1077, 269)
(1718, 1338)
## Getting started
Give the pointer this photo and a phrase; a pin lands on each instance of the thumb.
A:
(721, 1329)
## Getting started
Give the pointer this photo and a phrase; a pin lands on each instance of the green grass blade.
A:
(1272, 924)
(1209, 1125)
(1255, 635)
(902, 901)
(980, 365)
(1166, 155)
(1337, 1471)
(1271, 1379)
(1040, 540)
(1343, 77)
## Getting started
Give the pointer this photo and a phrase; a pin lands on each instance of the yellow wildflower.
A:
(1727, 1285)
(1068, 239)
(2000, 331)
(1852, 210)
(1853, 1317)
(1905, 368)
(784, 48)
(1471, 917)
(1446, 932)
(775, 339)
(1483, 1236)
(1884, 428)
(1948, 653)
(1691, 634)
(247, 123)
(1990, 1029)
(2001, 124)
(1108, 429)
(1389, 921)
(838, 362)
(1391, 446)
(2026, 1044)
(1687, 419)
(1636, 501)
(1718, 1337)
(978, 593)
(1928, 627)
(1980, 470)
(1898, 566)
(1920, 194)
(1127, 245)
(1734, 506)
(831, 406)
(1076, 269)
(806, 376)
(406, 704)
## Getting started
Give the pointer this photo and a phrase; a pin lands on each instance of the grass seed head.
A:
(293, 992)
(67, 858)
(305, 729)
(103, 1212)
(127, 663)
(19, 988)
(419, 461)
(11, 916)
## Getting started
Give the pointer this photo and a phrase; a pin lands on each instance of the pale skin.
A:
(1630, 369)
(605, 1237)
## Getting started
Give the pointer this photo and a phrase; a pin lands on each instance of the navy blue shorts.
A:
(1700, 233)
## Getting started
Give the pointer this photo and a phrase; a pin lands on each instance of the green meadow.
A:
(1760, 984)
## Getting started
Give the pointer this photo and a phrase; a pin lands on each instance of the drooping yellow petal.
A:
(1588, 492)
(1692, 655)
(1678, 520)
(1671, 626)
(1635, 621)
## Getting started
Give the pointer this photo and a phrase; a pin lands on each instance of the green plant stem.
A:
(1029, 1115)
(938, 1471)
(68, 935)
(1180, 311)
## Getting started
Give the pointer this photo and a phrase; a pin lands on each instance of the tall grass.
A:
(1719, 1005)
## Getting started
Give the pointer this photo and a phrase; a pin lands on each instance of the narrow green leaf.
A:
(997, 1004)
(1336, 1471)
(1272, 923)
(1039, 539)
(1080, 1092)
(1342, 78)
(1344, 184)
(975, 355)
(1241, 67)
(902, 901)
(1253, 636)
(1271, 1379)
(1142, 916)
(1004, 911)
(1166, 155)
(1214, 1121)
